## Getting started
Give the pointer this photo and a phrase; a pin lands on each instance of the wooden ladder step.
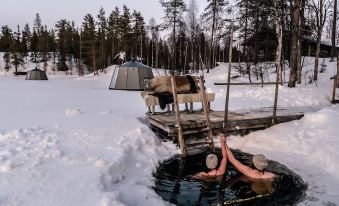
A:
(195, 131)
(197, 149)
(207, 142)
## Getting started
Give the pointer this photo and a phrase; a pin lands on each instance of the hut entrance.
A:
(36, 74)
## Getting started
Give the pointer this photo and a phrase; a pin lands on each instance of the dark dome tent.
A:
(36, 74)
(130, 76)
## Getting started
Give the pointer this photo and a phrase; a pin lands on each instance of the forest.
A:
(186, 40)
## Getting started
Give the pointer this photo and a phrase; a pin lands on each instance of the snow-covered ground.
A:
(71, 141)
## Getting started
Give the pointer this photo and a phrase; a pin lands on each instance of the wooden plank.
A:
(197, 119)
(238, 121)
(243, 83)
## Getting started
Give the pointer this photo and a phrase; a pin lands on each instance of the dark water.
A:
(175, 184)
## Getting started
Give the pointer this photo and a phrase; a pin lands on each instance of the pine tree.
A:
(6, 40)
(113, 31)
(75, 47)
(53, 48)
(89, 38)
(139, 33)
(102, 26)
(16, 56)
(125, 32)
(26, 38)
(64, 43)
(43, 47)
(173, 12)
(37, 24)
(34, 47)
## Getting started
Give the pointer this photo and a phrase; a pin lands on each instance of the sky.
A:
(14, 12)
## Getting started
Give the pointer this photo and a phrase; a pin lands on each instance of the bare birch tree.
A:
(212, 15)
(320, 9)
(192, 22)
(278, 30)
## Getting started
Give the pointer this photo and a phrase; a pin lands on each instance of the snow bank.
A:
(37, 168)
(131, 169)
(241, 97)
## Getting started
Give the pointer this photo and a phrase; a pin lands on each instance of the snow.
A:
(71, 141)
(72, 112)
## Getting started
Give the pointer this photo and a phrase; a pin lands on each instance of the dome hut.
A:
(36, 74)
(130, 76)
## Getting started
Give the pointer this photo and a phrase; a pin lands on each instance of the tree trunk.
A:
(102, 53)
(294, 44)
(212, 36)
(93, 59)
(277, 58)
(334, 29)
(174, 39)
(185, 63)
(299, 68)
(316, 59)
(152, 58)
(300, 39)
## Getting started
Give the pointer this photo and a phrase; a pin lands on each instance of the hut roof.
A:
(134, 63)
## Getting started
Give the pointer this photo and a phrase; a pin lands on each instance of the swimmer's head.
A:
(211, 161)
(260, 162)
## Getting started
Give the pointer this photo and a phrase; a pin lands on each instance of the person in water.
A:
(212, 163)
(259, 161)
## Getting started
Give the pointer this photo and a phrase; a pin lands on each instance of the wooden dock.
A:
(240, 122)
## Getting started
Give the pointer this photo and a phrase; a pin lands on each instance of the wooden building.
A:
(261, 46)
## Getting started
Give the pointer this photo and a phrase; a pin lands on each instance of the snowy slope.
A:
(71, 141)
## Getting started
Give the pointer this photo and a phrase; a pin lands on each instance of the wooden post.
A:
(177, 116)
(191, 107)
(228, 80)
(206, 111)
(334, 89)
(186, 107)
(168, 108)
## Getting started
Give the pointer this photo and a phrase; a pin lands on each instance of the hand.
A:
(222, 139)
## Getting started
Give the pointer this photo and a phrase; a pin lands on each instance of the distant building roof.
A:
(325, 43)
